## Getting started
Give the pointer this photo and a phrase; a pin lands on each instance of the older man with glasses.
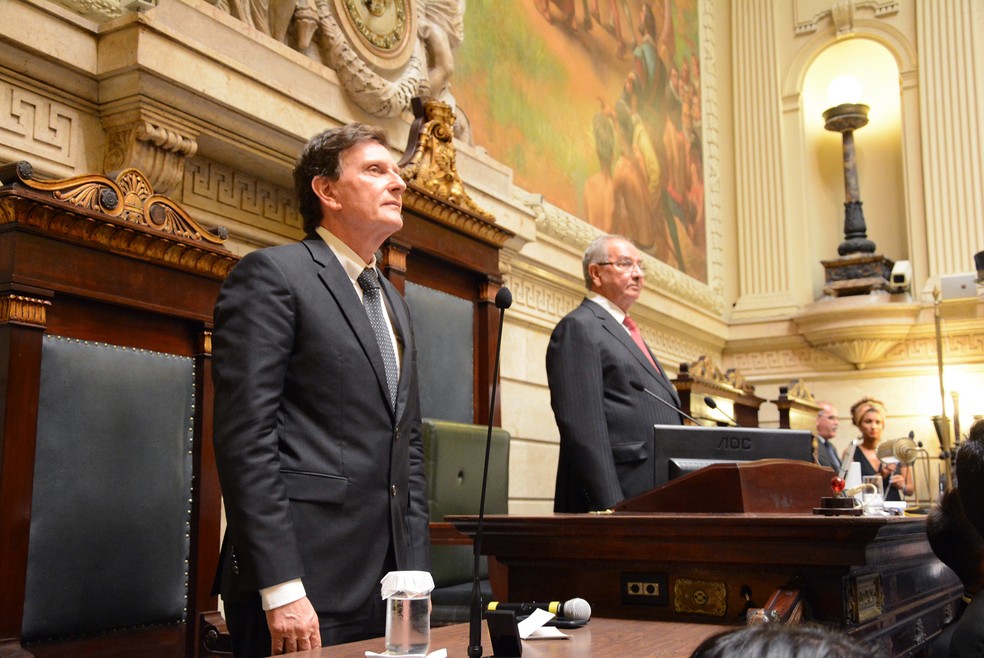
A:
(604, 381)
(827, 424)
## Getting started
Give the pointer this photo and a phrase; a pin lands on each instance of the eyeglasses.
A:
(625, 264)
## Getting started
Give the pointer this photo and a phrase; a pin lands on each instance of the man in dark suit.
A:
(317, 416)
(597, 368)
(958, 546)
(968, 634)
(827, 424)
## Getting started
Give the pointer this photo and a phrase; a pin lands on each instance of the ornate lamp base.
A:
(857, 274)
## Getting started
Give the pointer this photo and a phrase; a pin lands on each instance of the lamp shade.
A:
(897, 450)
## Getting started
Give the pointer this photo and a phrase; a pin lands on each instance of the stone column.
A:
(763, 239)
(951, 99)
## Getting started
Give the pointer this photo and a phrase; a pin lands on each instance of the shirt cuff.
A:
(282, 594)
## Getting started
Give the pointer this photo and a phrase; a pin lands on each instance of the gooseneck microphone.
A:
(712, 403)
(569, 610)
(637, 385)
(503, 300)
(847, 458)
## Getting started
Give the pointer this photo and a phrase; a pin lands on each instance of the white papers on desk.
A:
(440, 653)
(532, 628)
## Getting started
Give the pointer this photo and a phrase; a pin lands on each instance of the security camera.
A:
(900, 280)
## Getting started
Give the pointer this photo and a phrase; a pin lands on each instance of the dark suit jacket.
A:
(940, 648)
(606, 424)
(967, 640)
(320, 476)
(823, 455)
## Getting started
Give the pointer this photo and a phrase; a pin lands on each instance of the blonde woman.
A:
(868, 415)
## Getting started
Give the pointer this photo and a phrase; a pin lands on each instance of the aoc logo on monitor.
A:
(735, 443)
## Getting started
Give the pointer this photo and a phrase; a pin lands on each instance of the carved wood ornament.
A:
(122, 214)
(434, 188)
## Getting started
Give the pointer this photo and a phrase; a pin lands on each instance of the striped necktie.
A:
(373, 302)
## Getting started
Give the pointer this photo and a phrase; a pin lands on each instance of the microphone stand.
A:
(946, 443)
(637, 385)
(503, 300)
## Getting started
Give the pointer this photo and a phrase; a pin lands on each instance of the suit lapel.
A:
(339, 286)
(621, 335)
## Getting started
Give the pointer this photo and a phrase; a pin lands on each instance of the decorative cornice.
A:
(434, 188)
(568, 229)
(18, 309)
(841, 14)
(859, 329)
(122, 215)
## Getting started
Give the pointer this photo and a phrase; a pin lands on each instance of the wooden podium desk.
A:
(875, 577)
(600, 638)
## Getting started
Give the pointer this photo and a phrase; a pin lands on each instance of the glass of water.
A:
(408, 624)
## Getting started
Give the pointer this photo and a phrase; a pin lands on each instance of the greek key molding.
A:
(31, 123)
(770, 363)
(30, 311)
(226, 192)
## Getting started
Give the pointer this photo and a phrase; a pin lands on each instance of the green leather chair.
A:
(454, 454)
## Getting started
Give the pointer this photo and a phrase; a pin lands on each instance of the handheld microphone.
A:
(712, 403)
(503, 300)
(637, 385)
(569, 610)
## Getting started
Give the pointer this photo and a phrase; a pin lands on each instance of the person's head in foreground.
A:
(774, 640)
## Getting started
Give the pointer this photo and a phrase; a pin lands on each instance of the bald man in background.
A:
(827, 424)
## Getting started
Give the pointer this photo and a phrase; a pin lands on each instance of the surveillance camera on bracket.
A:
(900, 280)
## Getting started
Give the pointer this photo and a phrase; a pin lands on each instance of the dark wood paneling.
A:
(748, 557)
(81, 266)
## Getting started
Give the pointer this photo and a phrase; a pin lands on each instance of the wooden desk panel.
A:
(601, 638)
(875, 577)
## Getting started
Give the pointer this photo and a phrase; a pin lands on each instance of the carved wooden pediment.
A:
(122, 214)
(434, 188)
(705, 371)
(797, 390)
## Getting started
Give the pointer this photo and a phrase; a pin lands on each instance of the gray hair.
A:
(597, 252)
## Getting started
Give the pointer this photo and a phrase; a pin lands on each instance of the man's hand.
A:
(293, 627)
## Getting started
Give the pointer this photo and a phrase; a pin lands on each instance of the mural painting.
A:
(596, 104)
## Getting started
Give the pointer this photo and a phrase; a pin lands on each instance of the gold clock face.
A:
(379, 29)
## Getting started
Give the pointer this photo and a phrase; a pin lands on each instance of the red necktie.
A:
(637, 339)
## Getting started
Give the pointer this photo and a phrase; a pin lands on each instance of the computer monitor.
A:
(682, 449)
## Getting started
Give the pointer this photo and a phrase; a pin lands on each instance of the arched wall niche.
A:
(887, 148)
